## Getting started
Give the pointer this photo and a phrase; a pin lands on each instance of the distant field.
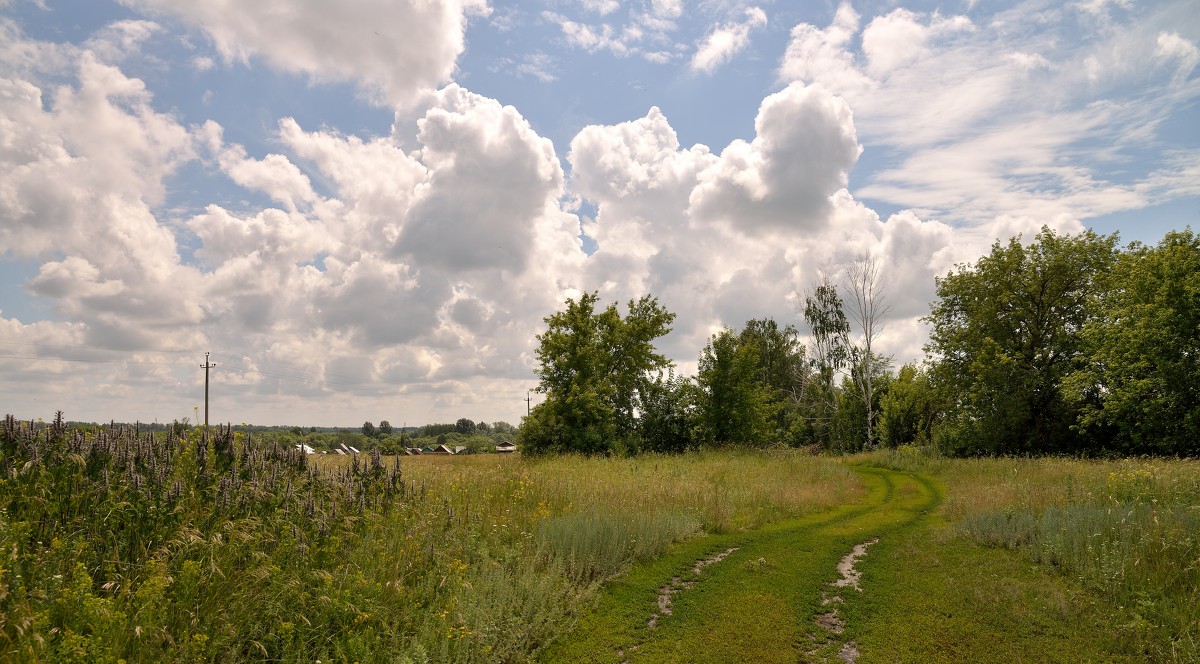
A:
(116, 545)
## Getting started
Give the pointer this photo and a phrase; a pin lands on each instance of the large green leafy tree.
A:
(670, 414)
(782, 369)
(1007, 331)
(1140, 389)
(737, 405)
(909, 408)
(781, 361)
(750, 383)
(594, 366)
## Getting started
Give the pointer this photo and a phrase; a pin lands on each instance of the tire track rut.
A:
(771, 594)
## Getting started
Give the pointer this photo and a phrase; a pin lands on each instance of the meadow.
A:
(1125, 532)
(118, 544)
(210, 546)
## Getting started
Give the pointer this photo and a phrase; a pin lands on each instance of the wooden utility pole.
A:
(206, 366)
(528, 402)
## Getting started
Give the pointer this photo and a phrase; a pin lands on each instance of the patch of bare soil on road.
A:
(850, 576)
(830, 621)
(677, 584)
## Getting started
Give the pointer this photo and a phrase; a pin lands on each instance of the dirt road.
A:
(784, 593)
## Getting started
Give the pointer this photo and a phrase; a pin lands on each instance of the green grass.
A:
(119, 545)
(115, 544)
(934, 590)
(1122, 536)
(757, 604)
(596, 544)
(934, 597)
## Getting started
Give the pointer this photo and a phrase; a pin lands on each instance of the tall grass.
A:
(1128, 529)
(116, 544)
(596, 515)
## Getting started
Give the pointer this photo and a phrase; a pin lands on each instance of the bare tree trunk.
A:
(866, 308)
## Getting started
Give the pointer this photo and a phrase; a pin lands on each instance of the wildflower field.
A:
(117, 544)
(212, 546)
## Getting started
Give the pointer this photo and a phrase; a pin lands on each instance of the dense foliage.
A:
(1138, 390)
(1006, 332)
(595, 368)
(119, 544)
(738, 405)
(1071, 345)
(1059, 344)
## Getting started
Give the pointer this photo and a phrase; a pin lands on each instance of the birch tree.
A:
(826, 318)
(866, 307)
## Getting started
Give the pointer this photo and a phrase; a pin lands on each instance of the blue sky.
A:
(365, 209)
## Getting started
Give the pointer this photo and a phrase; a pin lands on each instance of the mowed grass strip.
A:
(1121, 536)
(758, 604)
(933, 596)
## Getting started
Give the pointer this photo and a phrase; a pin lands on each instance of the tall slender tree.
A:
(825, 315)
(866, 308)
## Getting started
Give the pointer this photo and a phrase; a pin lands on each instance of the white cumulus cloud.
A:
(804, 147)
(397, 52)
(1010, 117)
(725, 41)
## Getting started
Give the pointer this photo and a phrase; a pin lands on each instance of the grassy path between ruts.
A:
(768, 595)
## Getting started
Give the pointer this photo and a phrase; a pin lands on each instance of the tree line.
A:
(463, 425)
(1068, 344)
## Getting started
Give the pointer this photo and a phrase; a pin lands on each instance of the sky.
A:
(364, 210)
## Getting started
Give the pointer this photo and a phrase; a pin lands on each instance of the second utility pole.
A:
(206, 366)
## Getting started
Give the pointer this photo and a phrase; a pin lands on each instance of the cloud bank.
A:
(405, 276)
